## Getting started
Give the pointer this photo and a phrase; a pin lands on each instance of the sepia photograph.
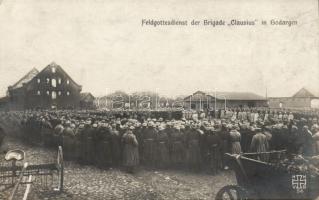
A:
(159, 100)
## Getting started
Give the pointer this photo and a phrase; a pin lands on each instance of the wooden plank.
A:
(27, 191)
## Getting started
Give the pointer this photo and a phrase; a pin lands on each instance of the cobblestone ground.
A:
(89, 182)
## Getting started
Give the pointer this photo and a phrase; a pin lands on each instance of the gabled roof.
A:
(232, 95)
(4, 99)
(26, 78)
(34, 72)
(303, 92)
(86, 96)
(53, 64)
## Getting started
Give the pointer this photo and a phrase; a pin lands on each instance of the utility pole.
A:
(106, 98)
(215, 100)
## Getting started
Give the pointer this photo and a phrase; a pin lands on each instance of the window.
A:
(59, 93)
(53, 69)
(53, 95)
(48, 80)
(68, 93)
(48, 93)
(38, 80)
(53, 82)
(38, 93)
(68, 81)
(59, 80)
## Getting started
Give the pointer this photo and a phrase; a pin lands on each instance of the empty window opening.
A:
(53, 95)
(53, 82)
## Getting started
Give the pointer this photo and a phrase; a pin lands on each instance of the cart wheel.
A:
(231, 192)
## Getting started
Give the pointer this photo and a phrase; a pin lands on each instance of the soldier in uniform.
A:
(162, 150)
(47, 132)
(130, 151)
(251, 116)
(276, 137)
(68, 138)
(285, 117)
(28, 128)
(57, 135)
(149, 150)
(235, 138)
(292, 140)
(280, 116)
(37, 137)
(96, 142)
(266, 116)
(240, 115)
(84, 135)
(214, 144)
(260, 145)
(193, 149)
(138, 132)
(271, 117)
(290, 116)
(143, 133)
(3, 149)
(305, 142)
(223, 133)
(92, 143)
(315, 138)
(104, 150)
(77, 142)
(177, 147)
(115, 145)
(246, 136)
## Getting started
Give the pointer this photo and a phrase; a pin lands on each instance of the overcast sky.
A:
(103, 47)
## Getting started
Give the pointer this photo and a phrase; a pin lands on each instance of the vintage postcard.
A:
(159, 100)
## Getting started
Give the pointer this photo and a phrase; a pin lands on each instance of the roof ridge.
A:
(33, 70)
(53, 64)
(307, 90)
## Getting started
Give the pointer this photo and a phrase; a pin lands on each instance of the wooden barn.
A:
(51, 88)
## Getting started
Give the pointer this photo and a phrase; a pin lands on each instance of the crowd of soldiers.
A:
(196, 140)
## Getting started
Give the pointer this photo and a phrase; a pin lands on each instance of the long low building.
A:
(206, 100)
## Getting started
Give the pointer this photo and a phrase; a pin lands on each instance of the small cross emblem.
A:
(299, 183)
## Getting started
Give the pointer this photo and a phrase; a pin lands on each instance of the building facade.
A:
(51, 88)
(303, 99)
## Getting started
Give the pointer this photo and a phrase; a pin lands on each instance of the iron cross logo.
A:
(299, 183)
